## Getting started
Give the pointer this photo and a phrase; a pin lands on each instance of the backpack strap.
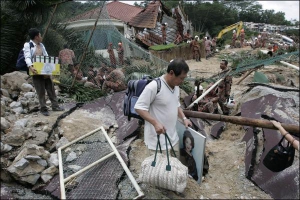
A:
(158, 81)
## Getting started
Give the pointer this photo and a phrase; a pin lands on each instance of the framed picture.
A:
(192, 149)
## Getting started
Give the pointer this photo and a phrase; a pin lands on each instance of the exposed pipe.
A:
(293, 129)
(289, 65)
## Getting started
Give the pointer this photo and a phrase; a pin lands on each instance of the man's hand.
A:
(276, 124)
(32, 69)
(159, 128)
(187, 123)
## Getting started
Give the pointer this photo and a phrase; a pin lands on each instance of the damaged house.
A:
(119, 19)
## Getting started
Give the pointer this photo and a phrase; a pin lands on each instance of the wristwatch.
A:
(184, 118)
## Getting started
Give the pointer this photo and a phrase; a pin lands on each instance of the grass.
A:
(165, 47)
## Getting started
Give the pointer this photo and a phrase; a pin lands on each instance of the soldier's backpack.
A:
(21, 64)
(134, 90)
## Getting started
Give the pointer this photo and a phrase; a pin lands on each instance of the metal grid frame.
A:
(115, 152)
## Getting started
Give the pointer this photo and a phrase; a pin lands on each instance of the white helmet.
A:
(233, 31)
(230, 103)
(196, 36)
(264, 29)
(200, 88)
(166, 24)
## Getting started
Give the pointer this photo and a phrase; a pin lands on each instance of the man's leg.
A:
(51, 92)
(39, 84)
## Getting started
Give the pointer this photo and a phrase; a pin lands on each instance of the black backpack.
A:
(134, 90)
(21, 64)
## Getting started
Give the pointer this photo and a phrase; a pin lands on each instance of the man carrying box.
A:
(40, 82)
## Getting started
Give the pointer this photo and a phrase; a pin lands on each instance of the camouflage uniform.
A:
(233, 40)
(121, 55)
(196, 50)
(223, 91)
(111, 53)
(242, 39)
(115, 81)
(264, 38)
(209, 102)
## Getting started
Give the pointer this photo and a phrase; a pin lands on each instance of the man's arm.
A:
(159, 128)
(28, 57)
(185, 120)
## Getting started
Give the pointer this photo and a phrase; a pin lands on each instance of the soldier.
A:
(187, 36)
(207, 47)
(115, 81)
(121, 53)
(234, 37)
(224, 87)
(164, 32)
(264, 37)
(111, 53)
(196, 50)
(242, 38)
(256, 44)
(178, 39)
(209, 103)
(213, 45)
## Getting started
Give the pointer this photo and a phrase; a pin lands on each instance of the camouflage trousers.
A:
(221, 102)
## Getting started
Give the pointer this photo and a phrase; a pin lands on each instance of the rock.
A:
(46, 129)
(74, 168)
(29, 95)
(5, 93)
(11, 118)
(32, 179)
(24, 103)
(18, 110)
(39, 123)
(53, 160)
(5, 148)
(61, 142)
(31, 157)
(25, 87)
(14, 80)
(15, 95)
(46, 177)
(21, 164)
(42, 162)
(48, 102)
(3, 107)
(21, 123)
(4, 124)
(72, 156)
(38, 138)
(47, 174)
(15, 138)
(15, 104)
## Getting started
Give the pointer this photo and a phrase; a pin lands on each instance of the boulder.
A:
(25, 87)
(74, 168)
(18, 110)
(29, 95)
(21, 123)
(15, 138)
(21, 164)
(38, 138)
(72, 156)
(5, 93)
(5, 147)
(42, 162)
(3, 108)
(4, 124)
(14, 80)
(15, 104)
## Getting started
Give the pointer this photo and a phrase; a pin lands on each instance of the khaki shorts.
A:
(175, 147)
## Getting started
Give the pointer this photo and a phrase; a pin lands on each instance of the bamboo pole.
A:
(86, 47)
(50, 21)
(246, 75)
(204, 94)
(293, 129)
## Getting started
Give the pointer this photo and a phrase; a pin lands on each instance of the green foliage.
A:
(164, 47)
(82, 94)
(260, 77)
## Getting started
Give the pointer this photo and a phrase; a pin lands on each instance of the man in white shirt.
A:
(161, 110)
(41, 83)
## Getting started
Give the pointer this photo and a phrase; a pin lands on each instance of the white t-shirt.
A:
(163, 106)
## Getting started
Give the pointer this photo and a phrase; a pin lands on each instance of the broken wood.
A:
(293, 129)
(289, 65)
(281, 89)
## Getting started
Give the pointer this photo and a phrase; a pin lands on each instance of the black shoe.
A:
(45, 112)
(58, 109)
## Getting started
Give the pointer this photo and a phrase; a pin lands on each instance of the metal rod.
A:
(61, 176)
(289, 65)
(80, 138)
(204, 94)
(132, 179)
(293, 129)
(88, 167)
